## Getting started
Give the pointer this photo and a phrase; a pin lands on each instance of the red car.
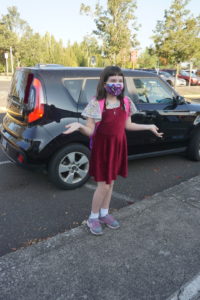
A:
(185, 75)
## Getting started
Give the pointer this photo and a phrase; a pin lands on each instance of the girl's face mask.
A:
(114, 88)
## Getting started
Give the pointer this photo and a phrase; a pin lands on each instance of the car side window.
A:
(152, 91)
(89, 90)
(73, 87)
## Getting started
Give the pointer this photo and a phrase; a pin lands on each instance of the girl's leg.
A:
(107, 199)
(105, 218)
(98, 197)
(100, 194)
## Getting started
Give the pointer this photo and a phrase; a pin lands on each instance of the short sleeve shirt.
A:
(92, 110)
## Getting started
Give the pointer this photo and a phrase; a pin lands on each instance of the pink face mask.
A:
(114, 89)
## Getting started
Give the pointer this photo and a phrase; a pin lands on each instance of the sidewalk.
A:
(152, 256)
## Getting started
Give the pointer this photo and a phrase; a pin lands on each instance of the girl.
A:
(109, 151)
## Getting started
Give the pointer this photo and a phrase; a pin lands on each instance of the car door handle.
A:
(151, 116)
(147, 115)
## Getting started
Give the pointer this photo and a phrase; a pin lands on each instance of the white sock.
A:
(94, 215)
(103, 212)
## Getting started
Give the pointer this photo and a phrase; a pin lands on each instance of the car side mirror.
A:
(178, 100)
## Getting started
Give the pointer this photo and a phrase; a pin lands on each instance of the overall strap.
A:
(101, 104)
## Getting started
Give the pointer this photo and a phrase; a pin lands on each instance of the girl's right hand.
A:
(72, 127)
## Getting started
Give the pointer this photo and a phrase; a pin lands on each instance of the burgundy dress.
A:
(109, 152)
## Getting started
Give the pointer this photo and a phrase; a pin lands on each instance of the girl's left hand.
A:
(155, 129)
(72, 127)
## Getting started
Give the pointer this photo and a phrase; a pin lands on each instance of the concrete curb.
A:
(5, 78)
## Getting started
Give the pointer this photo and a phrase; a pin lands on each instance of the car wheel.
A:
(187, 82)
(68, 168)
(194, 147)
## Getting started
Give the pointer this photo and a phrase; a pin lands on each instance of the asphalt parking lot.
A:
(32, 208)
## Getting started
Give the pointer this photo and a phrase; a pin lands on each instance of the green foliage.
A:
(31, 48)
(176, 37)
(148, 60)
(13, 21)
(116, 27)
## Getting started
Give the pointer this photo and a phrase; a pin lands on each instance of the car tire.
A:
(194, 147)
(187, 82)
(68, 168)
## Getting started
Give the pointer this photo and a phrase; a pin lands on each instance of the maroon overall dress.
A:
(109, 151)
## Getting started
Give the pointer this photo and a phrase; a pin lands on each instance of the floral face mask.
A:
(114, 89)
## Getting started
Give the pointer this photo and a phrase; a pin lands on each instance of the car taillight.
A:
(35, 101)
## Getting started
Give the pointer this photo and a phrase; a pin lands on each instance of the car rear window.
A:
(73, 87)
(18, 86)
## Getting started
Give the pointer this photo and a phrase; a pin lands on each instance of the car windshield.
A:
(184, 73)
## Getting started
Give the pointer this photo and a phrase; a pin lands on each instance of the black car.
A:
(42, 100)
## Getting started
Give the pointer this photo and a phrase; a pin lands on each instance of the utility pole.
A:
(6, 58)
(11, 59)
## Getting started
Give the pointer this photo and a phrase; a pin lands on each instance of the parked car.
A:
(194, 75)
(197, 72)
(170, 71)
(169, 78)
(42, 100)
(193, 78)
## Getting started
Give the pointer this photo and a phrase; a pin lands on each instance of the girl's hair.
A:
(106, 73)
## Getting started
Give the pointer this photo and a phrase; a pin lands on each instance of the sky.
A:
(62, 18)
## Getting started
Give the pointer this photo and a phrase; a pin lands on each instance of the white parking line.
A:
(114, 194)
(190, 291)
(6, 162)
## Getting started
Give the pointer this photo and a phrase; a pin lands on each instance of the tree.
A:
(116, 27)
(148, 60)
(13, 21)
(176, 37)
(12, 28)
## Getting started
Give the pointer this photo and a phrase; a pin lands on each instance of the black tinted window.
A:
(152, 90)
(18, 85)
(89, 90)
(73, 87)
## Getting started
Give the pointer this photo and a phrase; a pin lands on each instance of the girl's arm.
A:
(134, 126)
(86, 129)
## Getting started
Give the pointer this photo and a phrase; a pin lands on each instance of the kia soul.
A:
(43, 99)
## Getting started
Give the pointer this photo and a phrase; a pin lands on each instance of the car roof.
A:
(83, 71)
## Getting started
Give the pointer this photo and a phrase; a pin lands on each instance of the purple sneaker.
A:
(109, 221)
(95, 226)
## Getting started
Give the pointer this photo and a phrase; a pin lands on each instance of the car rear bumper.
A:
(19, 151)
(15, 154)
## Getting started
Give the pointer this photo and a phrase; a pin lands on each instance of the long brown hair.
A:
(106, 73)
